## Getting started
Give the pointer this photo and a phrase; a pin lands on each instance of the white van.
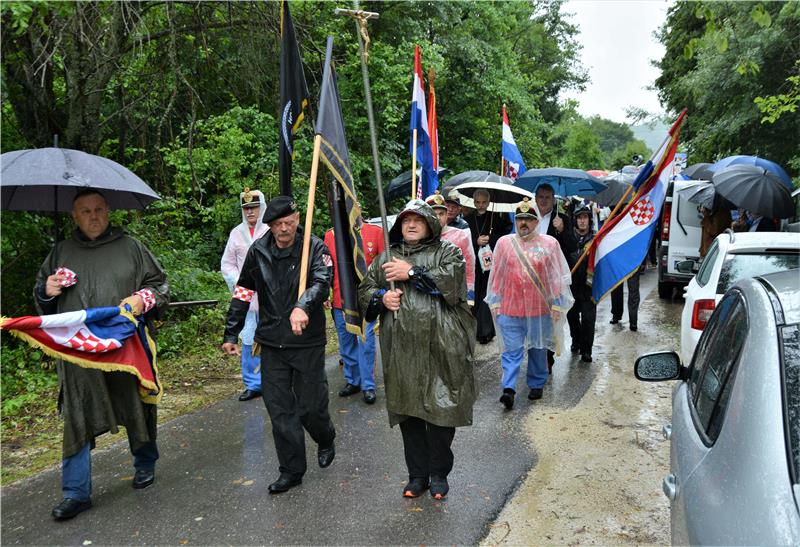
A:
(680, 239)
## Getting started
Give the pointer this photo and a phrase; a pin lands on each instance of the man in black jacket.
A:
(583, 314)
(557, 225)
(291, 332)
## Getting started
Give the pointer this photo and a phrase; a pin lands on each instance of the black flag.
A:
(351, 264)
(294, 98)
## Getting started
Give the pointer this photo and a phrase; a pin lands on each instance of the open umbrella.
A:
(771, 166)
(698, 171)
(565, 182)
(704, 193)
(755, 189)
(400, 186)
(477, 176)
(47, 179)
(503, 196)
(618, 183)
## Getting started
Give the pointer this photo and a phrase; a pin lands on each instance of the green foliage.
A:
(192, 332)
(740, 58)
(623, 156)
(27, 374)
(582, 149)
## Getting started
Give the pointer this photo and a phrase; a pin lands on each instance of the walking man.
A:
(583, 313)
(459, 238)
(110, 268)
(239, 241)
(528, 294)
(427, 342)
(291, 332)
(358, 355)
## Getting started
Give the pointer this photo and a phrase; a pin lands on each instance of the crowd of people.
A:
(446, 281)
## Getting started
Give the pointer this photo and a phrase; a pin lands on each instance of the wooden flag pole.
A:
(502, 159)
(414, 167)
(312, 189)
(612, 215)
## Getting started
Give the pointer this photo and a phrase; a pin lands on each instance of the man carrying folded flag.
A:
(294, 98)
(621, 245)
(101, 266)
(513, 166)
(429, 181)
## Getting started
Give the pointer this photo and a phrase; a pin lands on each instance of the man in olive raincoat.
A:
(427, 341)
(110, 268)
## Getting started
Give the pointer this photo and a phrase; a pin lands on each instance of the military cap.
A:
(526, 209)
(436, 201)
(249, 198)
(279, 207)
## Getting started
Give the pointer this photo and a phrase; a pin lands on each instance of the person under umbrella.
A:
(486, 228)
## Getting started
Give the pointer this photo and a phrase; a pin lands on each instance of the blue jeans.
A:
(250, 363)
(514, 331)
(76, 470)
(358, 356)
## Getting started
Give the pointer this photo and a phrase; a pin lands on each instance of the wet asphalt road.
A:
(211, 482)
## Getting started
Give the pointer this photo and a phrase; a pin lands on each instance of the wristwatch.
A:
(411, 272)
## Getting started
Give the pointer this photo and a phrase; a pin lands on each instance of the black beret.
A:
(279, 207)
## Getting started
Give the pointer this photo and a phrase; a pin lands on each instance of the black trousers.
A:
(581, 318)
(485, 329)
(295, 392)
(633, 300)
(427, 448)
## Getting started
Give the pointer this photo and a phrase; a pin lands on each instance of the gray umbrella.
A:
(755, 189)
(47, 179)
(618, 183)
(698, 171)
(705, 194)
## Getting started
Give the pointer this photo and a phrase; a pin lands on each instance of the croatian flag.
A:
(108, 339)
(429, 180)
(512, 159)
(620, 246)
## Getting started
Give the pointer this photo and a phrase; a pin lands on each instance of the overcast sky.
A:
(618, 45)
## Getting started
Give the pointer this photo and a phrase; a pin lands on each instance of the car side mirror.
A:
(685, 266)
(657, 367)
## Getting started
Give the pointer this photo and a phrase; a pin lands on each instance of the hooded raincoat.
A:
(427, 349)
(232, 261)
(530, 279)
(108, 269)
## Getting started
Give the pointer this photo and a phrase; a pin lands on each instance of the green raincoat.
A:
(109, 269)
(427, 351)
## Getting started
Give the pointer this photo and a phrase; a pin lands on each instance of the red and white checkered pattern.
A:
(148, 298)
(243, 294)
(643, 211)
(86, 341)
(69, 278)
(327, 260)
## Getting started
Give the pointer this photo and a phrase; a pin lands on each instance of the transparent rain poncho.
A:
(529, 293)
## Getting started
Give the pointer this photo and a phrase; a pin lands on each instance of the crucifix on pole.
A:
(361, 17)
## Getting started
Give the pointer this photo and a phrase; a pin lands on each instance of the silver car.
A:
(735, 433)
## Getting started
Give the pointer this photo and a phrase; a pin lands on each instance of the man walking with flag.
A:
(98, 266)
(291, 332)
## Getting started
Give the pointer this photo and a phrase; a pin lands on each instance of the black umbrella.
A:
(565, 182)
(705, 194)
(755, 189)
(477, 176)
(618, 183)
(503, 197)
(400, 186)
(47, 179)
(698, 171)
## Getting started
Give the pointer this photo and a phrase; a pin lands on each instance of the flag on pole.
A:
(294, 98)
(108, 339)
(429, 180)
(351, 264)
(512, 159)
(433, 123)
(620, 247)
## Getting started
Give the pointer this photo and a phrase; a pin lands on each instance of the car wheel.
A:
(665, 290)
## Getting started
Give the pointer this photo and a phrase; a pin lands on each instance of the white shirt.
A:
(544, 223)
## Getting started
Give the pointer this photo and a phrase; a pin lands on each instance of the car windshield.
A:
(740, 266)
